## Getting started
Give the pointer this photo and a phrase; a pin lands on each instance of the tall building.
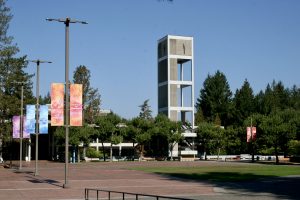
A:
(176, 88)
(176, 78)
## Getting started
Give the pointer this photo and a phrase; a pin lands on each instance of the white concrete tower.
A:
(176, 78)
(175, 72)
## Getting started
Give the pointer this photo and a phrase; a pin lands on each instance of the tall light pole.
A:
(21, 123)
(37, 111)
(67, 22)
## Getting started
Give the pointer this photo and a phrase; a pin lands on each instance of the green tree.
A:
(244, 103)
(132, 131)
(278, 129)
(210, 137)
(91, 96)
(165, 129)
(215, 98)
(106, 130)
(199, 116)
(46, 99)
(140, 131)
(11, 71)
(275, 98)
(233, 140)
(146, 111)
(294, 97)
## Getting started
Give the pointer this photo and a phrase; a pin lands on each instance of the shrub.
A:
(92, 153)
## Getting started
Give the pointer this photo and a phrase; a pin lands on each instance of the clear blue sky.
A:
(253, 39)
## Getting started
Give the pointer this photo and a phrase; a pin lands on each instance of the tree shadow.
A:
(35, 179)
(41, 180)
(245, 183)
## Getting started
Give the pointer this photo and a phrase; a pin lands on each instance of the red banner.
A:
(249, 134)
(75, 105)
(57, 104)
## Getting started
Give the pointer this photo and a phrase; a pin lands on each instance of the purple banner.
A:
(30, 119)
(16, 127)
(43, 119)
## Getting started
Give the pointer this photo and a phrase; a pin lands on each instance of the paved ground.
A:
(16, 184)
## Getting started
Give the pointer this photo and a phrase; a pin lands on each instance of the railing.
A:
(88, 191)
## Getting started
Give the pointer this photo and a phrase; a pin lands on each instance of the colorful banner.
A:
(16, 127)
(43, 119)
(57, 104)
(26, 134)
(249, 134)
(76, 105)
(30, 119)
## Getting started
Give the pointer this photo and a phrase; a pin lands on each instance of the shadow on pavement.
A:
(283, 187)
(34, 179)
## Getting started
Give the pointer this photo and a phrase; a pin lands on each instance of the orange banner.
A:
(76, 105)
(57, 104)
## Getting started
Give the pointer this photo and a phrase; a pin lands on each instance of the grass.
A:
(230, 173)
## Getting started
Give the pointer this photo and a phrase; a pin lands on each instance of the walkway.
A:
(15, 184)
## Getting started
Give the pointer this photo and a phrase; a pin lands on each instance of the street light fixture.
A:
(21, 122)
(37, 111)
(67, 22)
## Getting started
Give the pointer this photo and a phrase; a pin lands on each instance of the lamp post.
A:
(67, 22)
(37, 111)
(21, 123)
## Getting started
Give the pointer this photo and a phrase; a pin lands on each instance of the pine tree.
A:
(215, 98)
(145, 112)
(243, 103)
(11, 71)
(91, 97)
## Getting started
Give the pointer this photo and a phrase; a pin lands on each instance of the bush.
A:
(92, 153)
(294, 148)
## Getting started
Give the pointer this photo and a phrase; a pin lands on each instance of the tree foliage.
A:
(11, 71)
(272, 112)
(210, 136)
(146, 111)
(91, 96)
(243, 103)
(215, 98)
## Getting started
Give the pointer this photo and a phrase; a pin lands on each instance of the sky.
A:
(257, 40)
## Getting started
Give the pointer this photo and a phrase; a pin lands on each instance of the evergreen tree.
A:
(294, 97)
(11, 71)
(91, 97)
(145, 112)
(243, 103)
(215, 98)
(275, 98)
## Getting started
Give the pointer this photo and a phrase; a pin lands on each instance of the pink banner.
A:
(76, 105)
(16, 128)
(57, 104)
(249, 134)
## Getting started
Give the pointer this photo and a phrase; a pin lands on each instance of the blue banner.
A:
(30, 119)
(43, 119)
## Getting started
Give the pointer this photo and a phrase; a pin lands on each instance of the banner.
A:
(16, 127)
(43, 119)
(249, 134)
(30, 119)
(57, 104)
(26, 134)
(76, 105)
